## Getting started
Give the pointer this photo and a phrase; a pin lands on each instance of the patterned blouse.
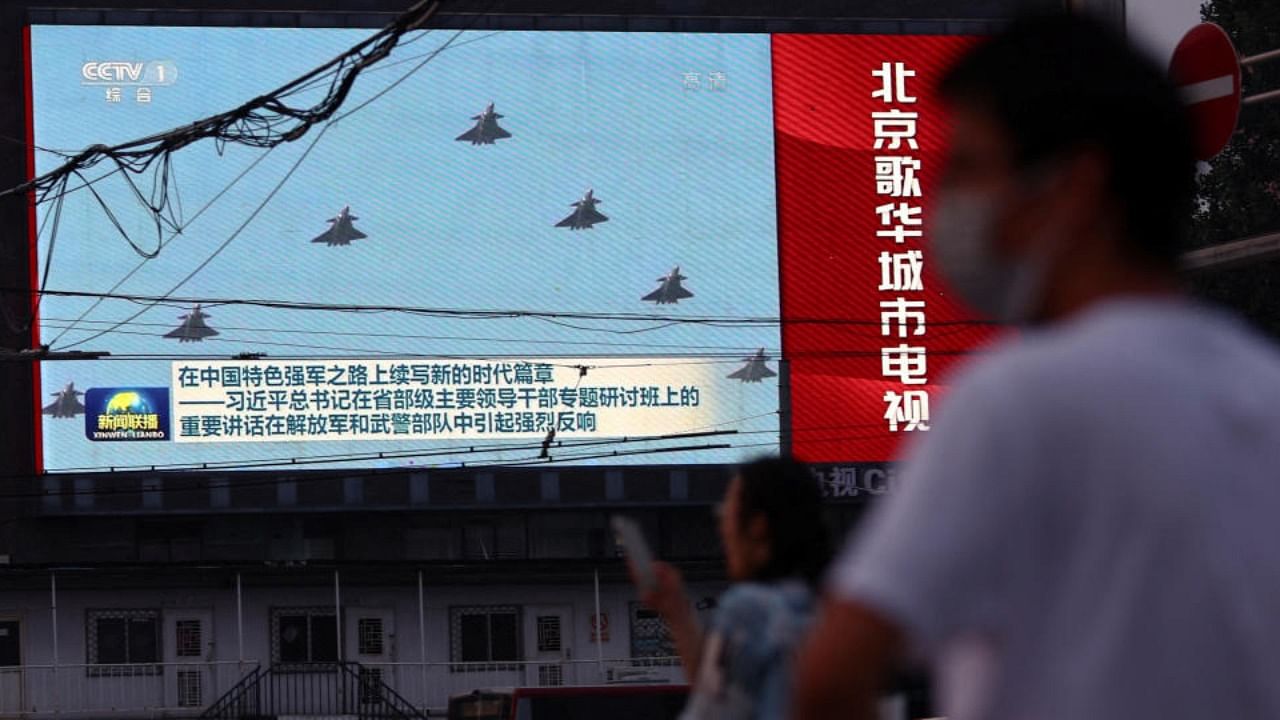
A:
(748, 651)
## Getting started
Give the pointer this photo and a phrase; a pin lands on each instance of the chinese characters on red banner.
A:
(870, 332)
(901, 219)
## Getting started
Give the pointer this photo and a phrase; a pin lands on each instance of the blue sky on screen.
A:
(685, 176)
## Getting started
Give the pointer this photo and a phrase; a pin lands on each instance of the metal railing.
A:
(430, 685)
(237, 702)
(193, 689)
(341, 689)
(144, 689)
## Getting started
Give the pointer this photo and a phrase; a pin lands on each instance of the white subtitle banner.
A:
(387, 399)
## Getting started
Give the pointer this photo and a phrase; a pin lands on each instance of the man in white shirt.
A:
(1090, 530)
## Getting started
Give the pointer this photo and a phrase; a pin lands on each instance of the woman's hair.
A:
(786, 494)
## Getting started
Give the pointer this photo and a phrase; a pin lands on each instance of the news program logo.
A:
(114, 414)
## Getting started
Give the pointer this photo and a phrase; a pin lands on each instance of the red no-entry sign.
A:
(1206, 71)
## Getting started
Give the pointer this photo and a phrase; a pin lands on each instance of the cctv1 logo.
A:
(125, 72)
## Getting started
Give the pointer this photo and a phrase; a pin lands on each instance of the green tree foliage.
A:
(1239, 196)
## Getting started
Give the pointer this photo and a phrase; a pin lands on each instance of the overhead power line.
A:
(159, 207)
(265, 121)
(488, 313)
(734, 426)
(474, 457)
(670, 359)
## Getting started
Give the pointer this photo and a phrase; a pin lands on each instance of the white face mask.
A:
(961, 238)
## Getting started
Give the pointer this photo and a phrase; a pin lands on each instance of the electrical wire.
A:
(388, 455)
(222, 246)
(494, 313)
(359, 353)
(685, 348)
(176, 233)
(25, 144)
(556, 458)
(293, 460)
(325, 128)
(506, 340)
(411, 58)
(254, 123)
(430, 56)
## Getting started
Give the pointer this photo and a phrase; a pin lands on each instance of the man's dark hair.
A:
(1062, 83)
(787, 495)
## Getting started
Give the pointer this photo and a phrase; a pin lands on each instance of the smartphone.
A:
(629, 536)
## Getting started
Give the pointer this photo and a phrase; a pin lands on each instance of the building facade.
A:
(135, 605)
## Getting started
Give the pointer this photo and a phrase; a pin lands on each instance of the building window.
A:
(190, 688)
(371, 686)
(488, 635)
(187, 638)
(123, 642)
(651, 642)
(550, 675)
(304, 635)
(548, 633)
(369, 631)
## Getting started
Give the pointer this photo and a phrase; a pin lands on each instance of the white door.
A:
(549, 644)
(189, 654)
(10, 666)
(370, 640)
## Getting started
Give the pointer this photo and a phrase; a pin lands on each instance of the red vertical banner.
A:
(33, 265)
(868, 330)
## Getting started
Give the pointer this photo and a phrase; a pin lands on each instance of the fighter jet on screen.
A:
(584, 214)
(66, 402)
(486, 129)
(755, 370)
(341, 231)
(670, 291)
(192, 328)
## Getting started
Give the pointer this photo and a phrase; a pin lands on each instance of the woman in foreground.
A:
(776, 548)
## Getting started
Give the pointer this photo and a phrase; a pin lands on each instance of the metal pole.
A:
(1262, 97)
(53, 615)
(240, 623)
(53, 627)
(599, 629)
(422, 638)
(1247, 251)
(337, 612)
(1261, 57)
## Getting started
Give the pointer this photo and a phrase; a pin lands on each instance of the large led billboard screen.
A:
(664, 247)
